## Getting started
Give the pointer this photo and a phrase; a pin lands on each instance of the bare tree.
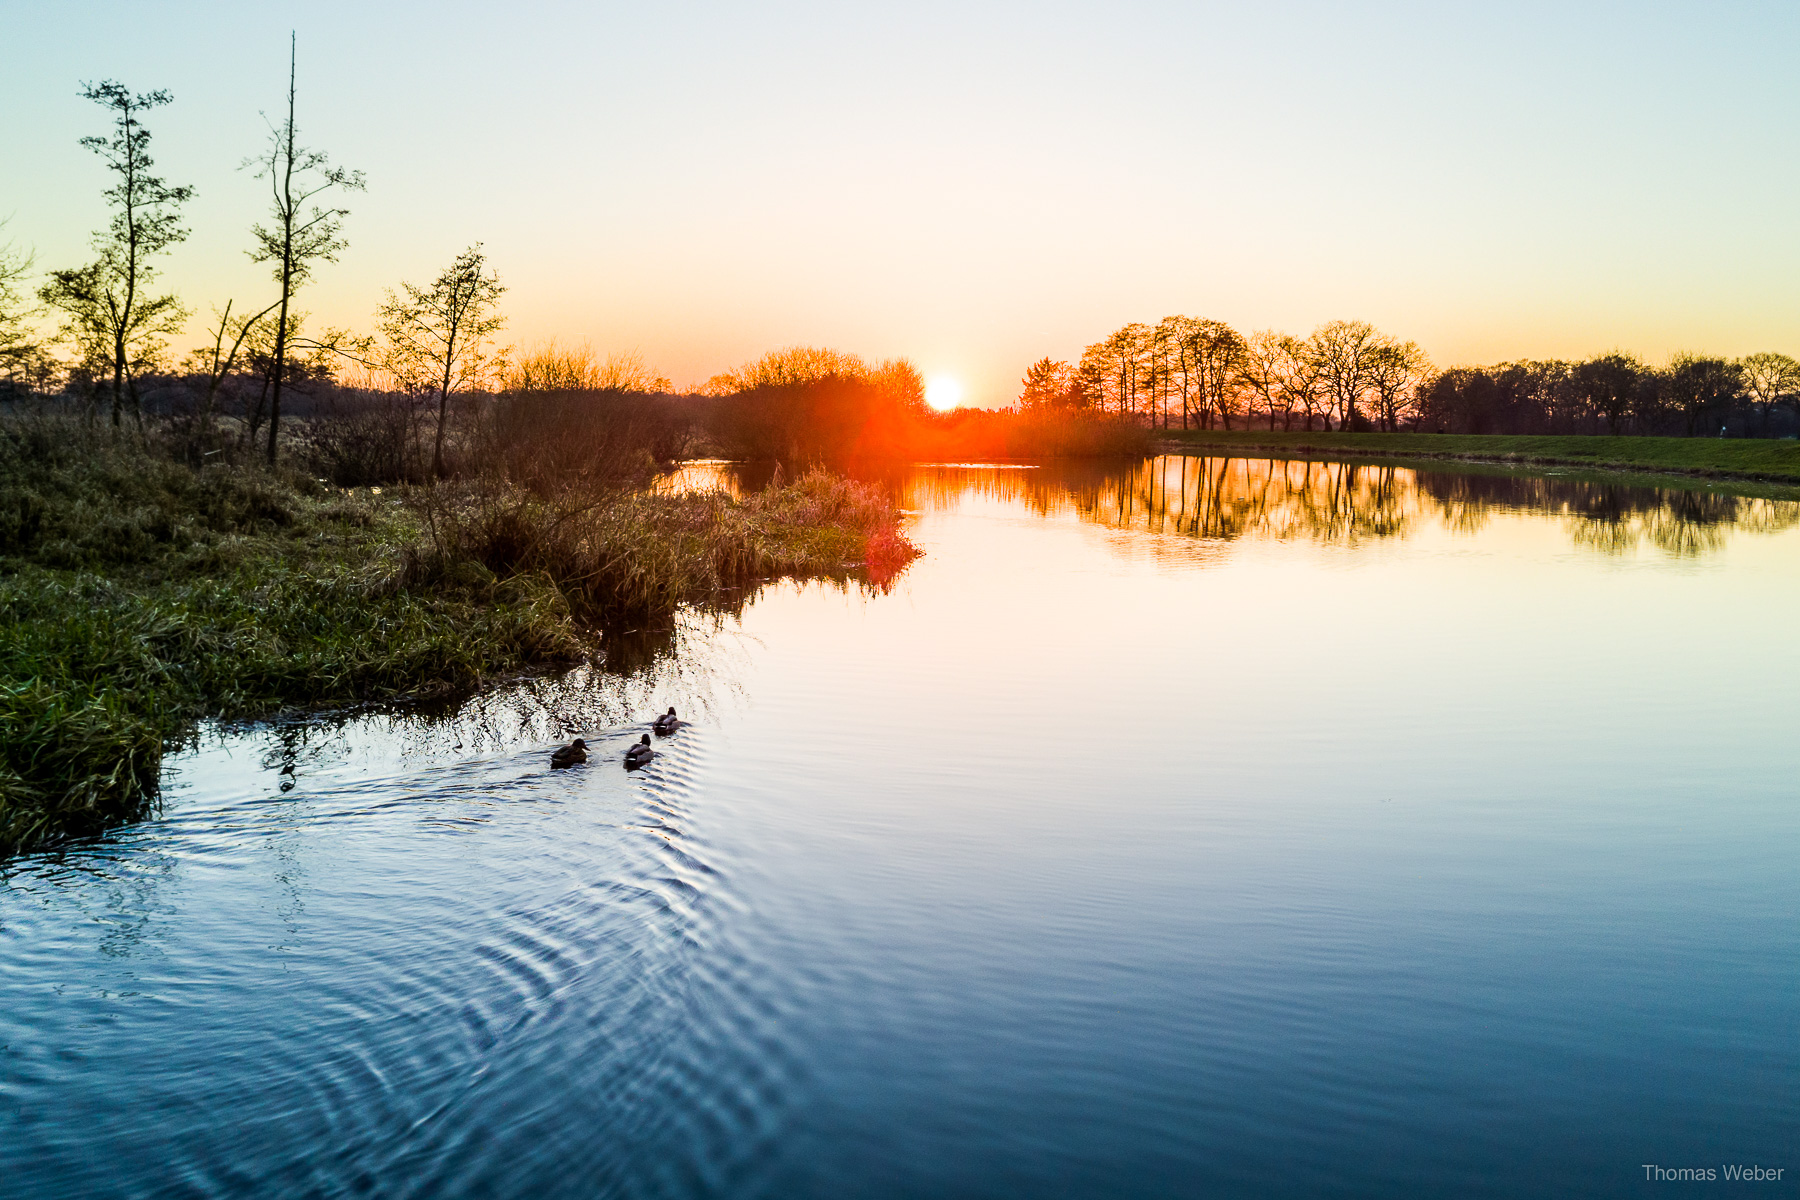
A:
(1303, 380)
(303, 233)
(1176, 332)
(1161, 355)
(1395, 371)
(1094, 377)
(218, 361)
(1264, 372)
(1217, 352)
(1769, 379)
(117, 327)
(1127, 355)
(22, 360)
(1342, 349)
(438, 336)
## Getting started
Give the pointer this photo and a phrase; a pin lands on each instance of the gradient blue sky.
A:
(976, 185)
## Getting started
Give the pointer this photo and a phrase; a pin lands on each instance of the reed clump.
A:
(636, 557)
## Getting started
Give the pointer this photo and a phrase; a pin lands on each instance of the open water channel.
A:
(1196, 827)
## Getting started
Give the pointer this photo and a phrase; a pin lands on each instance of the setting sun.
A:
(943, 393)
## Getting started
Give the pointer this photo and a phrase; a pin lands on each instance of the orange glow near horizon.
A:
(943, 393)
(1485, 221)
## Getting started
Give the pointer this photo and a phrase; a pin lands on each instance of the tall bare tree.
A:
(1161, 360)
(1127, 355)
(1303, 380)
(1213, 356)
(1094, 377)
(1176, 333)
(1395, 371)
(1265, 370)
(1343, 349)
(303, 233)
(115, 325)
(20, 353)
(438, 336)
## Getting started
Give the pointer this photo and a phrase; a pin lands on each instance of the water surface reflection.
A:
(1215, 827)
(1225, 499)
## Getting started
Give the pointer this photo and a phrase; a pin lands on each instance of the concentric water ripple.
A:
(541, 1002)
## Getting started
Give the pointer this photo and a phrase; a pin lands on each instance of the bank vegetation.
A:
(156, 575)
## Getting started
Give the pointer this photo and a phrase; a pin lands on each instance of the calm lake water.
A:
(1188, 828)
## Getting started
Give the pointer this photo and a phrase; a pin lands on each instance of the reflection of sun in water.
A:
(943, 393)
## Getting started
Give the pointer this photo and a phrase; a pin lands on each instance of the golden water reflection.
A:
(1336, 503)
(1350, 503)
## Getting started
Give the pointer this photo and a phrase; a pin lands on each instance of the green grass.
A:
(139, 596)
(1721, 458)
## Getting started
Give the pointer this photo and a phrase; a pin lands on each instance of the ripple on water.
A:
(541, 1001)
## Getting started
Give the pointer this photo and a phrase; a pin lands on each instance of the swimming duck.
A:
(569, 755)
(667, 723)
(640, 754)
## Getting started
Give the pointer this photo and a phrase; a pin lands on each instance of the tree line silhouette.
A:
(109, 345)
(1348, 375)
(429, 393)
(419, 394)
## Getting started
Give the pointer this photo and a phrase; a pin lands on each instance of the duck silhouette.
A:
(667, 723)
(640, 754)
(569, 755)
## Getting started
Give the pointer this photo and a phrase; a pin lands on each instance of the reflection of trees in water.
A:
(1608, 517)
(1212, 498)
(1338, 503)
(1225, 499)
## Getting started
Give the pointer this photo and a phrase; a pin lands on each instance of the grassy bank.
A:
(139, 595)
(1717, 458)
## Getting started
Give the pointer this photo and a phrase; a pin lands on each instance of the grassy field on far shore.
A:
(1758, 459)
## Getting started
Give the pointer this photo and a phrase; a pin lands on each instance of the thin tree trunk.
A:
(287, 262)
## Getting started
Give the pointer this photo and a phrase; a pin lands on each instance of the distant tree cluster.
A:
(1693, 395)
(1348, 375)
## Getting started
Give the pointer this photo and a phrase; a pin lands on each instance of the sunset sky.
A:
(975, 185)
